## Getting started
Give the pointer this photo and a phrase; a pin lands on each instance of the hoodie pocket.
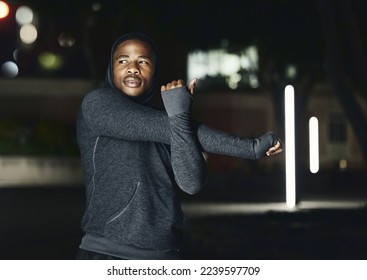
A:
(121, 212)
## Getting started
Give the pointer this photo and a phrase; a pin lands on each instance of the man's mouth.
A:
(132, 81)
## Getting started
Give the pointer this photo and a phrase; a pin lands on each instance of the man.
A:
(135, 156)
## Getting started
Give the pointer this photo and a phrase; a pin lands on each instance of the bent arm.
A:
(108, 112)
(187, 160)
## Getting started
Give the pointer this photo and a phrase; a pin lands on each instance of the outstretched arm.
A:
(110, 113)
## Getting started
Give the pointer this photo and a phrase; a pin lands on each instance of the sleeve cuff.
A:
(177, 101)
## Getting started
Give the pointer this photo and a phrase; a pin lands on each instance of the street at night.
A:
(223, 222)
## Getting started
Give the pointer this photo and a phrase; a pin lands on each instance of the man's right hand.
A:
(180, 83)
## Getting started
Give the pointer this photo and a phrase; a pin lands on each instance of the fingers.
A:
(278, 148)
(192, 86)
(173, 84)
(180, 83)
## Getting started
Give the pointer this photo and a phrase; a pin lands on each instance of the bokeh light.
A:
(4, 9)
(50, 61)
(343, 164)
(24, 15)
(16, 54)
(238, 68)
(66, 40)
(28, 33)
(96, 6)
(9, 69)
(291, 72)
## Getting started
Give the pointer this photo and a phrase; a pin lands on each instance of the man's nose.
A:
(133, 68)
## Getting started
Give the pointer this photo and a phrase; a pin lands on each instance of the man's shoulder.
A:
(98, 94)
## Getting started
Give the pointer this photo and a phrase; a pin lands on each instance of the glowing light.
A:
(343, 164)
(96, 6)
(4, 9)
(245, 62)
(28, 33)
(313, 125)
(211, 60)
(16, 54)
(290, 151)
(250, 58)
(10, 69)
(196, 67)
(291, 72)
(66, 40)
(253, 81)
(220, 63)
(24, 15)
(233, 80)
(50, 61)
(230, 63)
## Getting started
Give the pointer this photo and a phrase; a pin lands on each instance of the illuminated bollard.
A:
(290, 162)
(313, 125)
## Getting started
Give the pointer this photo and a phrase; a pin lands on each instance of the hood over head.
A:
(146, 97)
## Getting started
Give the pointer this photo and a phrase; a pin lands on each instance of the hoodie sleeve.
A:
(109, 113)
(187, 160)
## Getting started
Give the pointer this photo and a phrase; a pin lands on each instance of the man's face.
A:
(133, 67)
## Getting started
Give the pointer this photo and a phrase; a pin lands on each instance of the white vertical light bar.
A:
(313, 125)
(290, 151)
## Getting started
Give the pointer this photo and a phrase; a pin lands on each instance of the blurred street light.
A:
(28, 33)
(4, 9)
(24, 15)
(9, 69)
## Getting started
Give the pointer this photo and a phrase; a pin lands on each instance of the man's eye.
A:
(122, 61)
(143, 62)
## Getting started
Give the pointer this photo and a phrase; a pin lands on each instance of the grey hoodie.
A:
(134, 157)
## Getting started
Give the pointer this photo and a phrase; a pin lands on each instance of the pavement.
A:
(223, 222)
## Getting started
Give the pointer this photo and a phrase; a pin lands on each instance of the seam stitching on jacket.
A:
(127, 206)
(94, 172)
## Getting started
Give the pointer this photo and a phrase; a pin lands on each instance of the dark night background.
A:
(288, 30)
(326, 41)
